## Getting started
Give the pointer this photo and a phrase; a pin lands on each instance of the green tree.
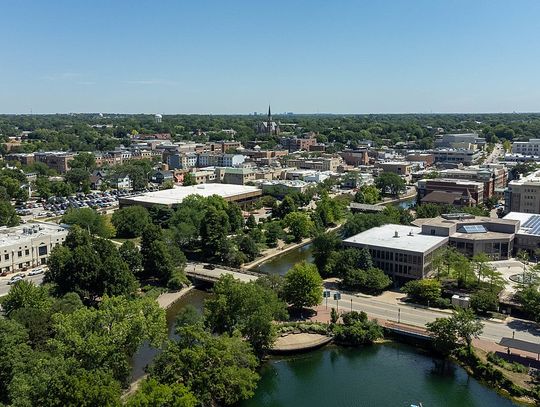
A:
(84, 161)
(25, 294)
(466, 325)
(324, 245)
(224, 365)
(367, 194)
(131, 221)
(236, 219)
(444, 335)
(288, 205)
(90, 267)
(189, 179)
(390, 183)
(249, 247)
(274, 231)
(357, 329)
(132, 256)
(8, 215)
(251, 222)
(151, 394)
(107, 337)
(484, 300)
(529, 299)
(423, 291)
(157, 258)
(247, 307)
(90, 220)
(303, 286)
(299, 224)
(214, 233)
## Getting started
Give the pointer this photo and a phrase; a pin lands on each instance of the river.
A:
(389, 375)
(383, 375)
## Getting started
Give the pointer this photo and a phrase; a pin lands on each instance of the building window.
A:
(6, 256)
(19, 253)
(26, 252)
(42, 251)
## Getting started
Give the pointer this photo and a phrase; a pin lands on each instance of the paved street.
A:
(493, 331)
(4, 287)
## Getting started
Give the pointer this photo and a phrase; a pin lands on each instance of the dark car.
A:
(209, 267)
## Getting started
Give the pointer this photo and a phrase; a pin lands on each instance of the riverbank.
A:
(411, 193)
(282, 249)
(166, 300)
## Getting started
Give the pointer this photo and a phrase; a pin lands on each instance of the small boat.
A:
(419, 405)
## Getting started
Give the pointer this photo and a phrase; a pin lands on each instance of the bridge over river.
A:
(197, 271)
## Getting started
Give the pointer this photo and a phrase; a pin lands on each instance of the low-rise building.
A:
(400, 251)
(465, 156)
(241, 194)
(472, 191)
(528, 236)
(237, 176)
(28, 245)
(315, 163)
(472, 235)
(355, 157)
(416, 156)
(403, 168)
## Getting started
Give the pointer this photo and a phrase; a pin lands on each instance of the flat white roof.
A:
(533, 230)
(177, 194)
(25, 233)
(409, 238)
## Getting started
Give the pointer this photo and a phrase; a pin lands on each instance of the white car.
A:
(35, 272)
(14, 280)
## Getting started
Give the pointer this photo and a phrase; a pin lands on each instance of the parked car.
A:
(209, 267)
(35, 272)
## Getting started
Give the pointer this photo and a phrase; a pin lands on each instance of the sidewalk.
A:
(165, 300)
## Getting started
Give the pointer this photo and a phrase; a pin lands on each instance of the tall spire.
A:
(269, 114)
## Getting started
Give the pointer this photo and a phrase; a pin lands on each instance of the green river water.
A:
(390, 375)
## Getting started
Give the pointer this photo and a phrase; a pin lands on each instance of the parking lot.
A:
(57, 206)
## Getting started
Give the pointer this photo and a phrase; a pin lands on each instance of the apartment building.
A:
(27, 246)
(299, 143)
(523, 195)
(23, 158)
(426, 158)
(57, 160)
(236, 176)
(493, 176)
(220, 160)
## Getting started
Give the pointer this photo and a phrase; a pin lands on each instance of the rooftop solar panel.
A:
(533, 225)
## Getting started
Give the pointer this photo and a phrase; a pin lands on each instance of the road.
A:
(497, 152)
(197, 269)
(408, 314)
(4, 287)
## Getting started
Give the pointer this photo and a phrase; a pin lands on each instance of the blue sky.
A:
(235, 56)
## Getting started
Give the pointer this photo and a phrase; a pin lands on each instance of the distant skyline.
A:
(236, 57)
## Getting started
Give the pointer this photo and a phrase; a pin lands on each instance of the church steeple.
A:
(269, 114)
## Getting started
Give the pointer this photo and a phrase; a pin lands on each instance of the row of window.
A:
(42, 251)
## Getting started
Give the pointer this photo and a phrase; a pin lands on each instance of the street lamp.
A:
(399, 315)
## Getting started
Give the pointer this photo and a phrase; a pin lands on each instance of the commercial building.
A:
(294, 143)
(472, 235)
(426, 158)
(472, 192)
(318, 164)
(400, 251)
(27, 246)
(493, 176)
(171, 197)
(402, 168)
(23, 158)
(220, 160)
(237, 176)
(528, 236)
(461, 140)
(465, 156)
(530, 148)
(280, 188)
(523, 195)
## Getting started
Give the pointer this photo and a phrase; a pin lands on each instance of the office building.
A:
(30, 245)
(400, 251)
(523, 195)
